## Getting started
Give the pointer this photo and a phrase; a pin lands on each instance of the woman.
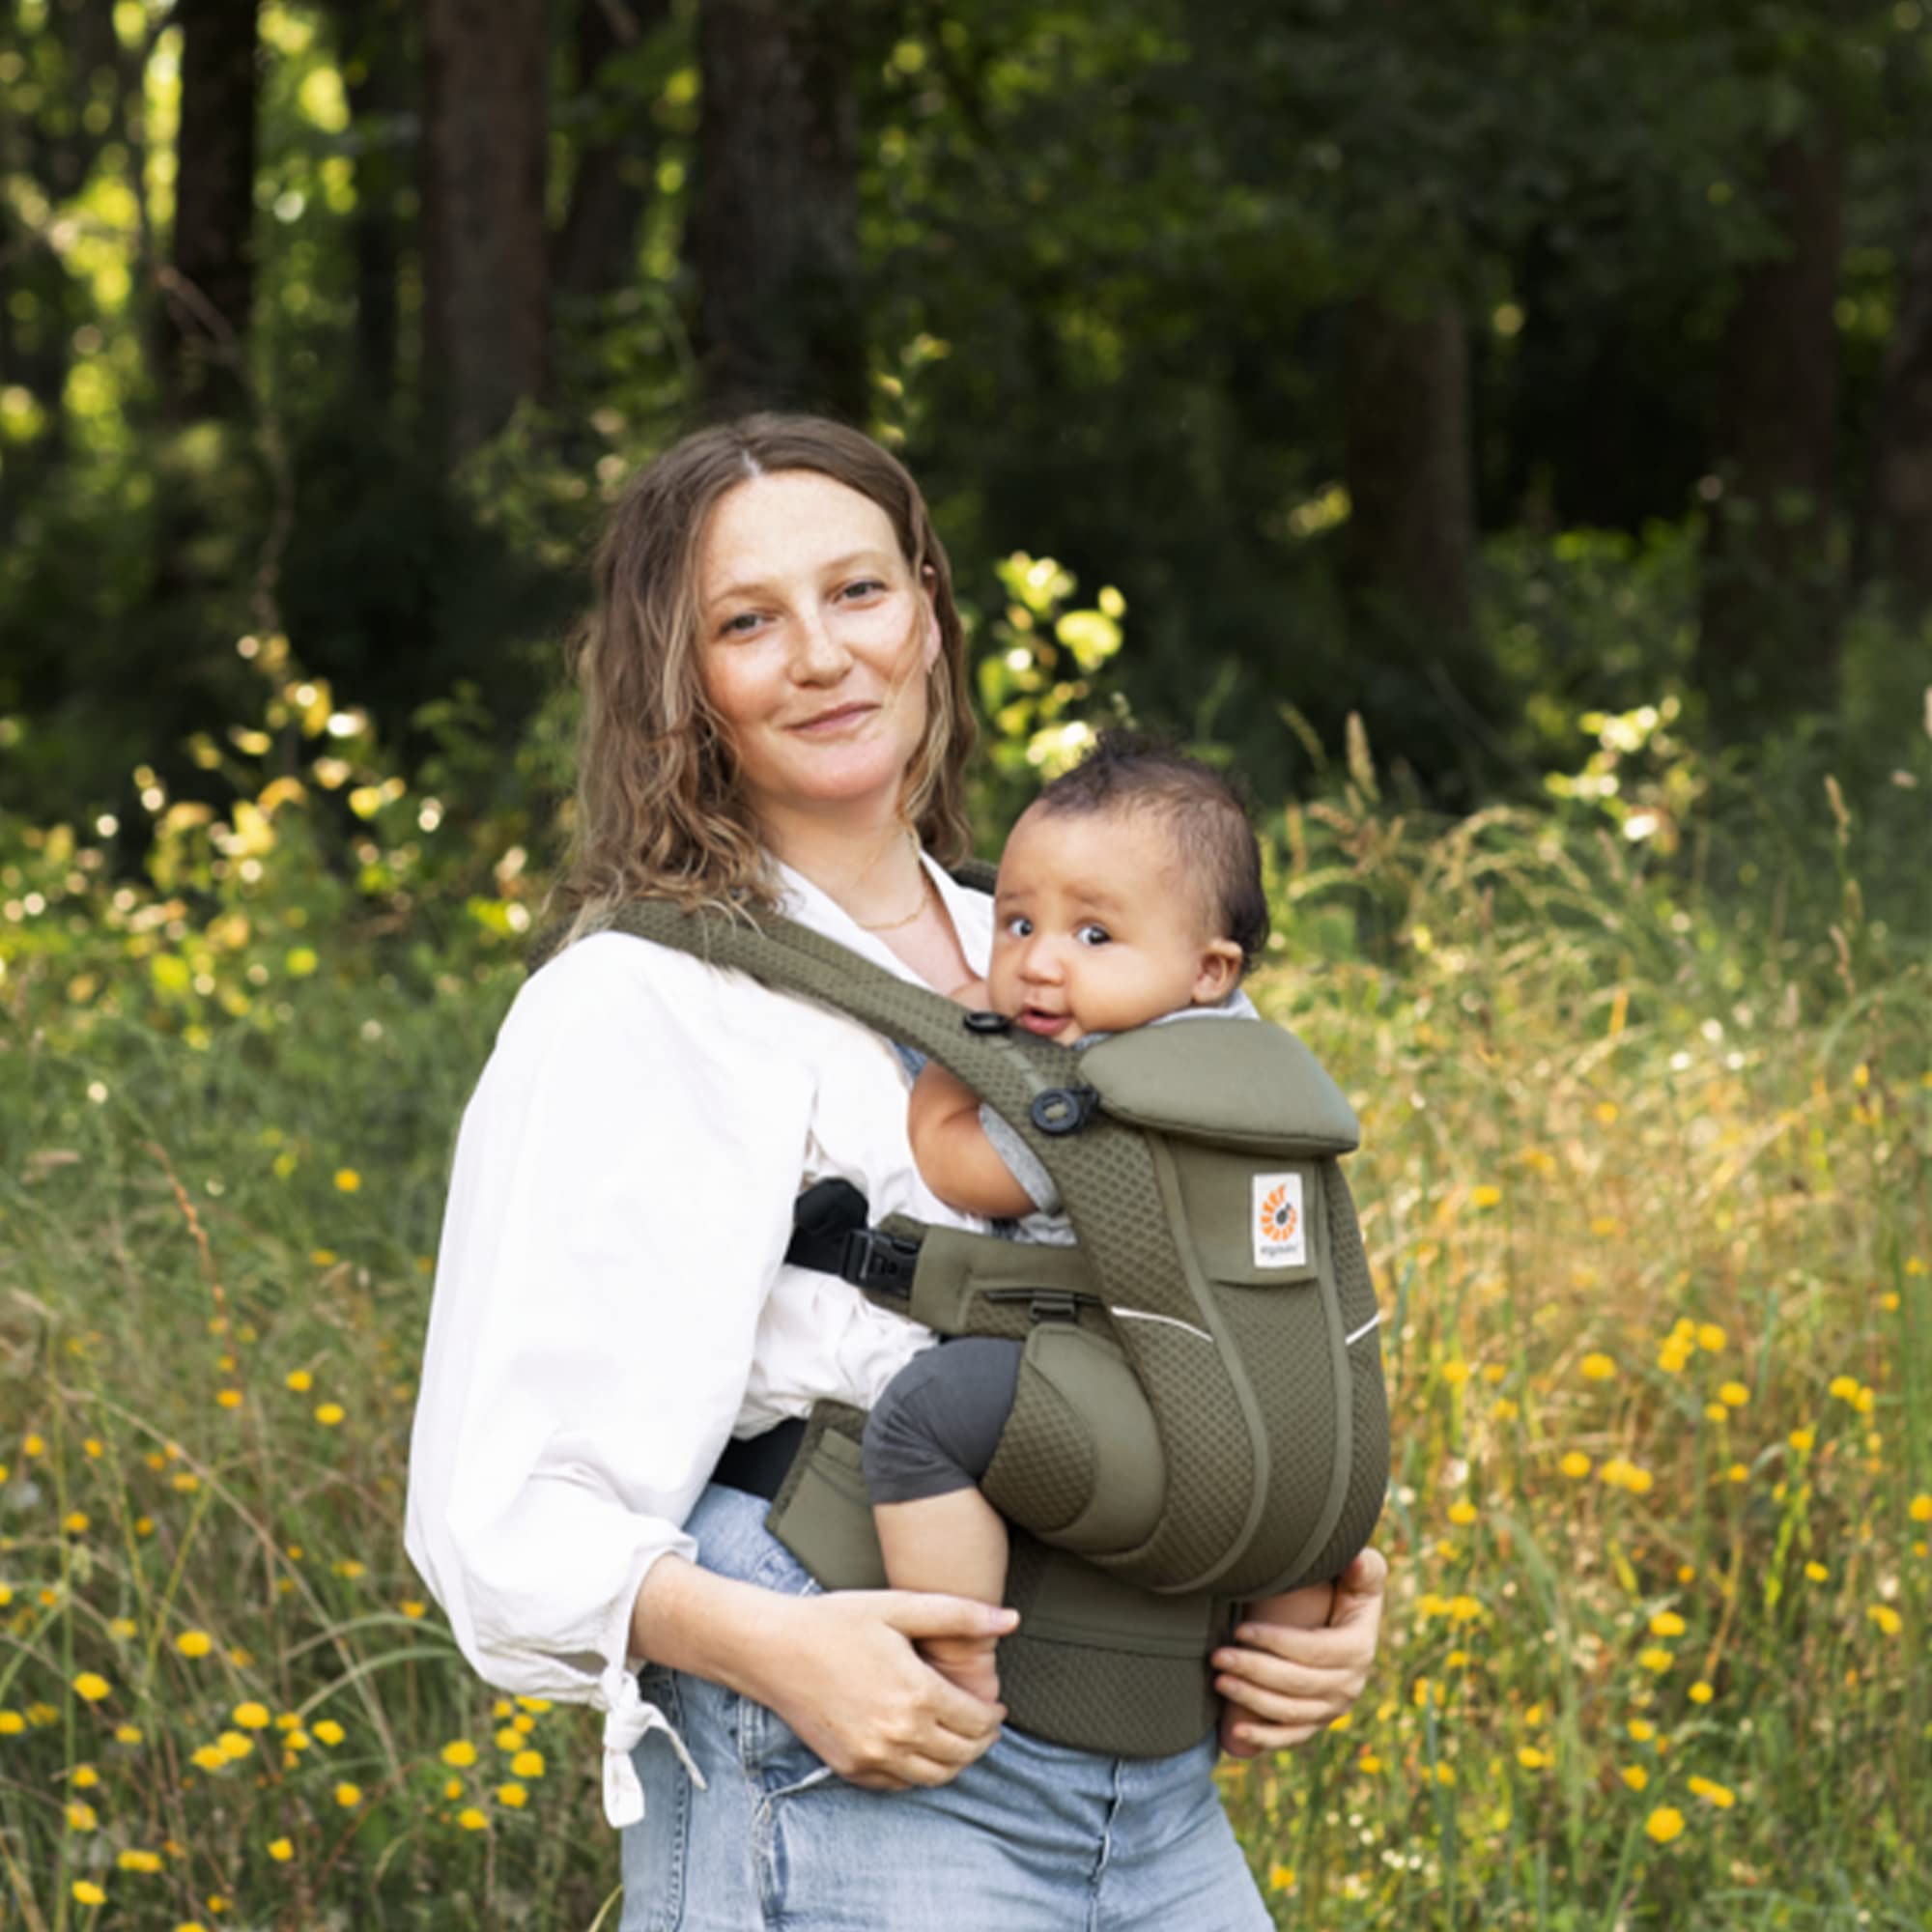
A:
(774, 713)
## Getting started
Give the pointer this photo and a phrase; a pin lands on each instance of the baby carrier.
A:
(1199, 1415)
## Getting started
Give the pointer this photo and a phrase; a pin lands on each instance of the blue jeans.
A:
(1033, 1837)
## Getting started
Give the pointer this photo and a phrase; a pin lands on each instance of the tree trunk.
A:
(209, 283)
(1902, 510)
(775, 221)
(485, 279)
(1768, 640)
(376, 80)
(597, 247)
(1406, 459)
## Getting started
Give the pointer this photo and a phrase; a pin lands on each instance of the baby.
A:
(1129, 894)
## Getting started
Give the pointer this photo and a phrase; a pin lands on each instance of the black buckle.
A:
(1063, 1109)
(883, 1263)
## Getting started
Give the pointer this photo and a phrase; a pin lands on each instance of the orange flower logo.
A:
(1278, 1217)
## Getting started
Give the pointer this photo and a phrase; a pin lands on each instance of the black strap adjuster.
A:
(1063, 1109)
(883, 1263)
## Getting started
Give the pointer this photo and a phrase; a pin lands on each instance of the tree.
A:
(486, 306)
(376, 78)
(595, 251)
(1768, 639)
(210, 282)
(1902, 496)
(774, 233)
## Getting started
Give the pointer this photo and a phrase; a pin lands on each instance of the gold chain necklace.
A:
(897, 925)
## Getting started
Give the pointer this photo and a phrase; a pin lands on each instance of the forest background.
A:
(1501, 432)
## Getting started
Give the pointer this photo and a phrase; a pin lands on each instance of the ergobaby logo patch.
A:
(1280, 1231)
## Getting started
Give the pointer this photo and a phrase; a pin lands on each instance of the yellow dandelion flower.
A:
(1701, 1692)
(92, 1685)
(1920, 1508)
(1816, 1572)
(1462, 1514)
(210, 1757)
(1505, 1408)
(1575, 1465)
(251, 1716)
(1281, 1877)
(194, 1644)
(528, 1764)
(1369, 1763)
(1656, 1657)
(351, 1566)
(84, 1778)
(1666, 1623)
(1607, 1111)
(459, 1752)
(228, 1398)
(33, 1445)
(326, 1731)
(235, 1745)
(1733, 1395)
(347, 1796)
(1485, 1196)
(1737, 1473)
(509, 1739)
(1889, 1301)
(185, 1481)
(281, 1850)
(86, 1892)
(11, 1723)
(1531, 1758)
(135, 1859)
(1634, 1775)
(1455, 1371)
(346, 1180)
(471, 1819)
(300, 1380)
(1844, 1387)
(1673, 1357)
(329, 1413)
(513, 1796)
(81, 1816)
(75, 1522)
(1596, 1366)
(1886, 1618)
(126, 1734)
(1803, 1440)
(1604, 1225)
(1664, 1823)
(1710, 1338)
(412, 1608)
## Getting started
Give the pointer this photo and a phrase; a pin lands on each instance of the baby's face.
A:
(1096, 929)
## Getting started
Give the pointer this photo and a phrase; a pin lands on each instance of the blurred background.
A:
(1501, 432)
(1466, 366)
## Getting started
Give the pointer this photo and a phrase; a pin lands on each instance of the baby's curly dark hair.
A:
(1204, 812)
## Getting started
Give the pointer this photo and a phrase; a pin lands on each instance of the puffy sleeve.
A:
(619, 1206)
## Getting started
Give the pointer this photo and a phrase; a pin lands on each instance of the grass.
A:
(1645, 1186)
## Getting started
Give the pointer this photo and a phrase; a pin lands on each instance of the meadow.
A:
(1646, 1088)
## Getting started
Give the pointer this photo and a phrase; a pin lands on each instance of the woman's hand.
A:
(1282, 1685)
(844, 1675)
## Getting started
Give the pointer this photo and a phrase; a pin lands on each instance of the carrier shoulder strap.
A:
(1032, 1084)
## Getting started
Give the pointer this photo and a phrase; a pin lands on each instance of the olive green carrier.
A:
(1199, 1415)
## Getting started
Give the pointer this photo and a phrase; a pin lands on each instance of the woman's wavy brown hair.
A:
(659, 814)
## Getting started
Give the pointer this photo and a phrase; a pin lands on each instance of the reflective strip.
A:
(1374, 1319)
(1142, 1315)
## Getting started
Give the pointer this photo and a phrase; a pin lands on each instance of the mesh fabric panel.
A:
(1041, 1475)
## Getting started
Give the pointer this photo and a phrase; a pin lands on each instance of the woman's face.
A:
(813, 645)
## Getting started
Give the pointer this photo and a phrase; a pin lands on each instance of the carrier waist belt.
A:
(757, 1464)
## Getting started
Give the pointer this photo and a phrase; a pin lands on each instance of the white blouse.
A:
(611, 1299)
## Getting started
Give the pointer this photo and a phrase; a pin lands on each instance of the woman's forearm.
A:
(687, 1618)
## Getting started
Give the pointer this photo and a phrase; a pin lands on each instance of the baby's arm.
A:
(956, 1158)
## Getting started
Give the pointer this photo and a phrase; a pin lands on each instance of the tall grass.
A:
(1645, 1186)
